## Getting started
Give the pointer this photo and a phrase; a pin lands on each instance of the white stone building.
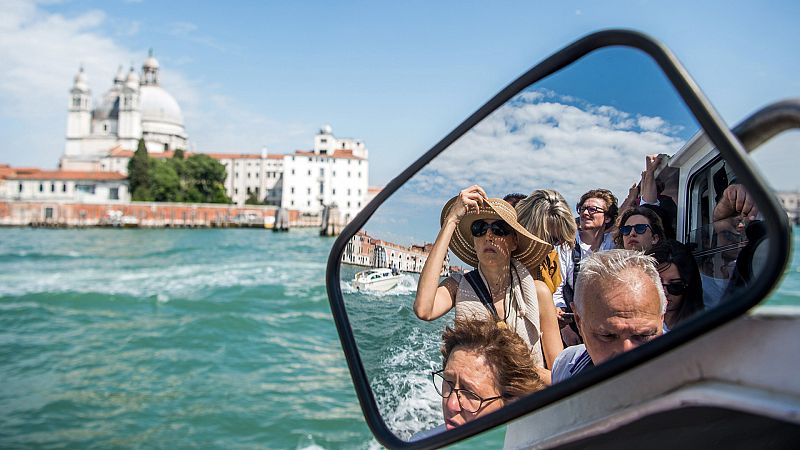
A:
(134, 107)
(335, 172)
(252, 174)
(103, 138)
(62, 186)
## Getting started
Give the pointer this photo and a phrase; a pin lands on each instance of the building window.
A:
(291, 190)
(321, 188)
(348, 192)
(348, 174)
(348, 204)
(322, 171)
(292, 202)
(113, 194)
(292, 171)
(334, 173)
(309, 172)
(85, 188)
(359, 204)
(63, 187)
(359, 192)
(323, 141)
(52, 187)
(41, 187)
(308, 191)
(236, 191)
(333, 191)
(248, 174)
(20, 187)
(359, 174)
(308, 202)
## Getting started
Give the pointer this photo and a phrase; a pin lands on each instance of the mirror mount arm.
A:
(767, 122)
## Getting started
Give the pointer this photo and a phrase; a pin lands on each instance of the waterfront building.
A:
(335, 172)
(364, 250)
(30, 184)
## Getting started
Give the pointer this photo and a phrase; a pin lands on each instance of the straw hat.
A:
(530, 250)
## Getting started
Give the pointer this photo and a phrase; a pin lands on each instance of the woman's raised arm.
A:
(432, 300)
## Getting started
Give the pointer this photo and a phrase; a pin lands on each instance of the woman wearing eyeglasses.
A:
(484, 233)
(680, 278)
(485, 367)
(640, 229)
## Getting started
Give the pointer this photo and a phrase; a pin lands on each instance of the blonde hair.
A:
(547, 215)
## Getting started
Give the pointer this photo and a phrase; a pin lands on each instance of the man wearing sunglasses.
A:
(597, 211)
(619, 305)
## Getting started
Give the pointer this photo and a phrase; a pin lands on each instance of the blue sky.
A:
(398, 75)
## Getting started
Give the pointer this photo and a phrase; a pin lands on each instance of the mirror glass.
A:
(589, 126)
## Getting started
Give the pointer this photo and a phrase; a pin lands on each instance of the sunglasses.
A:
(589, 209)
(640, 228)
(676, 287)
(499, 228)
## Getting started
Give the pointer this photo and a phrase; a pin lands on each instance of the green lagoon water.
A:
(188, 339)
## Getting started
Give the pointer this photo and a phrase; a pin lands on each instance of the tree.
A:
(205, 180)
(252, 199)
(165, 182)
(139, 173)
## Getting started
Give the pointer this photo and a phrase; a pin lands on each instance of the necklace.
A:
(501, 322)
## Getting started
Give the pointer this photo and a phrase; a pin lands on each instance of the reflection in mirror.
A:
(771, 158)
(606, 158)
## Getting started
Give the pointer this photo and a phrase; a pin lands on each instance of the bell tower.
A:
(79, 116)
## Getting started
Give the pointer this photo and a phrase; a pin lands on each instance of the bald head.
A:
(619, 302)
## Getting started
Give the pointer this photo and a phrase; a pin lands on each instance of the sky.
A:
(398, 75)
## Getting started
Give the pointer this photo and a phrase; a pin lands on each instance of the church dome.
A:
(81, 82)
(133, 80)
(150, 62)
(157, 105)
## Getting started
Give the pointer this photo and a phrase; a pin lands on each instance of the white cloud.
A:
(548, 144)
(41, 53)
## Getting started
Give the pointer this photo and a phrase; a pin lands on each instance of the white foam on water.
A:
(307, 443)
(186, 280)
(406, 397)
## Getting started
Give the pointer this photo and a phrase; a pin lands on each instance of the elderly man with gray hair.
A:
(619, 305)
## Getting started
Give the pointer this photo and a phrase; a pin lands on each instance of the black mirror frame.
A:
(729, 147)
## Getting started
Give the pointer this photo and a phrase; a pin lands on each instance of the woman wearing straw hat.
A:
(484, 233)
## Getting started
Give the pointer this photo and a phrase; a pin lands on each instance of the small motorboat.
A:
(376, 280)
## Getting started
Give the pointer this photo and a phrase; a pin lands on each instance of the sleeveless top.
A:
(522, 307)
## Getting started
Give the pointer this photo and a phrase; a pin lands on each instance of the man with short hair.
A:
(619, 305)
(597, 214)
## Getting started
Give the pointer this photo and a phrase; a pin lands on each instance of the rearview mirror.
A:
(585, 118)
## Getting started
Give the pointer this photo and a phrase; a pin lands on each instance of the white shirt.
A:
(566, 267)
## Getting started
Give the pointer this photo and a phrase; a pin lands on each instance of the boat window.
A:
(715, 243)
